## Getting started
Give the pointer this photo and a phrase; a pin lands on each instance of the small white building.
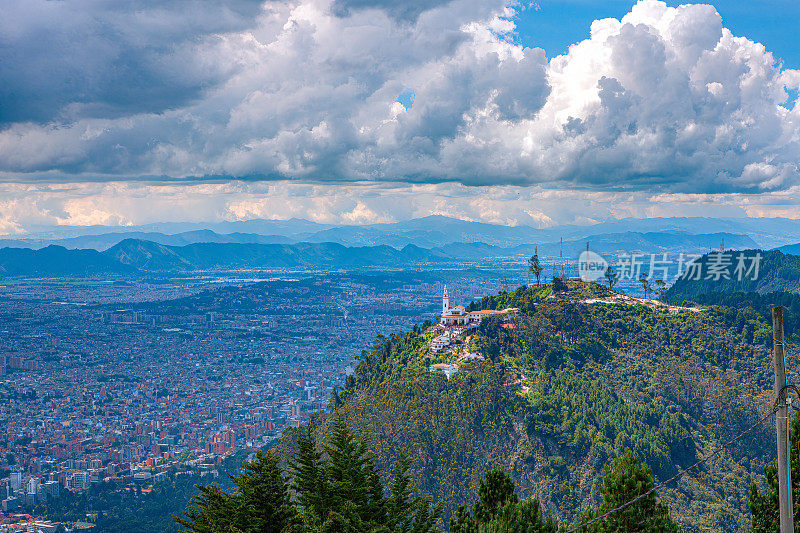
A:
(447, 369)
(440, 343)
(142, 475)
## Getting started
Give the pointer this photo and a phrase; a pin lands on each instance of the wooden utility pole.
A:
(782, 424)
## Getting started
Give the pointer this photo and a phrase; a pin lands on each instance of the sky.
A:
(556, 24)
(360, 111)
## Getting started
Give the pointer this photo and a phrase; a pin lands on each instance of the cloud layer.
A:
(33, 208)
(665, 99)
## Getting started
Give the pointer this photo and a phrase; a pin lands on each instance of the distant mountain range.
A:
(58, 261)
(105, 241)
(150, 256)
(427, 232)
(248, 252)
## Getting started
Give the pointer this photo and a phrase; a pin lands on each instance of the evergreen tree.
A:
(308, 471)
(355, 491)
(336, 401)
(260, 503)
(496, 489)
(338, 492)
(645, 282)
(612, 277)
(520, 517)
(210, 511)
(626, 480)
(661, 289)
(535, 266)
(497, 510)
(405, 514)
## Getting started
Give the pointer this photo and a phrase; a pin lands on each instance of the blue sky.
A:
(556, 24)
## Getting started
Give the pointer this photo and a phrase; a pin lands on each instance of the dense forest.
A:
(337, 488)
(565, 391)
(777, 272)
(761, 304)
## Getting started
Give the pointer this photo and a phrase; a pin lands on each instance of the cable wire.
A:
(775, 409)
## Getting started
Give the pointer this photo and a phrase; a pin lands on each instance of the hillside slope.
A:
(205, 256)
(132, 255)
(568, 388)
(777, 272)
(57, 261)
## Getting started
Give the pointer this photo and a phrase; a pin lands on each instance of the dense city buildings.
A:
(125, 384)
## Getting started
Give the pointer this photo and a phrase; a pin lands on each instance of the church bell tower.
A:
(445, 301)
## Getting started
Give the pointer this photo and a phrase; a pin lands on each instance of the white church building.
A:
(458, 317)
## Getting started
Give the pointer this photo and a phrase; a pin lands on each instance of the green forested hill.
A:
(777, 272)
(761, 304)
(566, 390)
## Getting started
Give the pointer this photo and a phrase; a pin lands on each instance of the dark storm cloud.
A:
(665, 99)
(406, 11)
(63, 60)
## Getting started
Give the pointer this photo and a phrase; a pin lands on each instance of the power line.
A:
(682, 472)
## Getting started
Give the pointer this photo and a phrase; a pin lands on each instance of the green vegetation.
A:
(544, 427)
(623, 482)
(777, 272)
(761, 304)
(260, 503)
(764, 504)
(561, 394)
(338, 489)
(498, 509)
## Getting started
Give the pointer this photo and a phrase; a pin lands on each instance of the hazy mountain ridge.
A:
(58, 261)
(793, 249)
(105, 241)
(426, 232)
(131, 255)
(209, 256)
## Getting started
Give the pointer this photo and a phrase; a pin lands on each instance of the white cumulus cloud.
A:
(665, 99)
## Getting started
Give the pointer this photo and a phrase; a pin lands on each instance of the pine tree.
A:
(626, 480)
(496, 489)
(405, 514)
(262, 501)
(463, 521)
(535, 266)
(336, 401)
(520, 517)
(355, 491)
(210, 511)
(338, 492)
(308, 471)
(497, 510)
(645, 282)
(612, 277)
